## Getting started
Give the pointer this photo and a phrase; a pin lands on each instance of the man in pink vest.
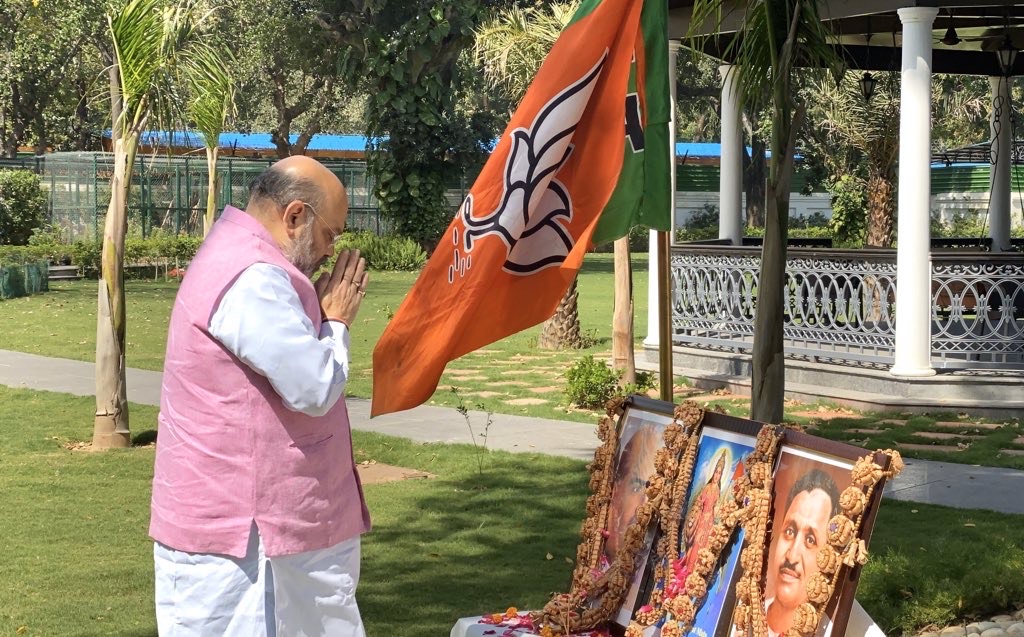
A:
(257, 509)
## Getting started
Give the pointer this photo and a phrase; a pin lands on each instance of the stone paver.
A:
(938, 435)
(527, 401)
(967, 426)
(544, 390)
(510, 383)
(516, 372)
(868, 432)
(892, 421)
(485, 394)
(916, 447)
(1019, 440)
(460, 377)
(1012, 452)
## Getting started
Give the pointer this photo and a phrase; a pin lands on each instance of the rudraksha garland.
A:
(682, 606)
(844, 548)
(594, 596)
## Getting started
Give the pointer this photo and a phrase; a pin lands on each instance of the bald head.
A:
(292, 199)
(297, 178)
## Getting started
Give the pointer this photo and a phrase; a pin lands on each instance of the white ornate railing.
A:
(978, 311)
(840, 304)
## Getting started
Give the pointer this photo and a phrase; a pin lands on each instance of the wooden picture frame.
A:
(809, 475)
(722, 438)
(640, 435)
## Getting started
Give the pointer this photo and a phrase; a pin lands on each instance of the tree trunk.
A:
(116, 105)
(881, 210)
(768, 382)
(81, 125)
(110, 429)
(754, 183)
(622, 316)
(211, 189)
(562, 330)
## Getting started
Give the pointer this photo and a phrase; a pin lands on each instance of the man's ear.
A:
(293, 215)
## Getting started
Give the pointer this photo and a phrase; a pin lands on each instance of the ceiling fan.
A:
(993, 38)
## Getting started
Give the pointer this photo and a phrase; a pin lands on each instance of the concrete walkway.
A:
(948, 484)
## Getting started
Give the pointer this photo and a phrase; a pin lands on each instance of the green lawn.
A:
(77, 561)
(62, 323)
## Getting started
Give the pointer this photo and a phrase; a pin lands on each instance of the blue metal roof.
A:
(261, 141)
(705, 149)
(254, 141)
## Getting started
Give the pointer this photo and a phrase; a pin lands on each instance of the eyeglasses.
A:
(334, 235)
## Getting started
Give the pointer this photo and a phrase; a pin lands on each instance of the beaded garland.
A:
(594, 596)
(681, 599)
(844, 548)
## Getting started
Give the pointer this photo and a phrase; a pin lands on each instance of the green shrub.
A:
(388, 252)
(177, 250)
(591, 383)
(644, 382)
(701, 226)
(22, 206)
(86, 255)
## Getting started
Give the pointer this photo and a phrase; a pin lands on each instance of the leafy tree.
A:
(287, 77)
(406, 56)
(22, 206)
(773, 36)
(858, 140)
(155, 46)
(37, 52)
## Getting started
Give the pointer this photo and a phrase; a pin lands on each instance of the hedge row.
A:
(86, 254)
(382, 253)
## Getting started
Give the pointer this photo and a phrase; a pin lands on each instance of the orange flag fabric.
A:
(520, 236)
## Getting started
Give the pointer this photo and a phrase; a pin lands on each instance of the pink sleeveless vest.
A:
(229, 452)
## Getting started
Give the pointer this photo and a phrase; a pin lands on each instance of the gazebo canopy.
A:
(868, 33)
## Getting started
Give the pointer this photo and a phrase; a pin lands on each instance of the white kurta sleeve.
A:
(261, 321)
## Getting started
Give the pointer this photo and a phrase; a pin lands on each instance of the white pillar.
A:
(730, 176)
(913, 255)
(999, 179)
(652, 245)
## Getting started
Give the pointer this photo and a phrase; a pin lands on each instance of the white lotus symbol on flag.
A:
(535, 207)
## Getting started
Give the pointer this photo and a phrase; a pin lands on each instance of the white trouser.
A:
(304, 595)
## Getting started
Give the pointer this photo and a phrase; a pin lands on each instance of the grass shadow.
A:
(144, 438)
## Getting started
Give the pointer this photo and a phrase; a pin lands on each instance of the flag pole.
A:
(664, 316)
(664, 241)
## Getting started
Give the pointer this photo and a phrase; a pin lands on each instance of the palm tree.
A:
(773, 36)
(511, 48)
(213, 101)
(152, 43)
(846, 119)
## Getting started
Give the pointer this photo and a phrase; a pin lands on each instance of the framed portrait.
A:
(810, 474)
(723, 444)
(641, 434)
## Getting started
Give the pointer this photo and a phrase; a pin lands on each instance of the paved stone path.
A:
(949, 484)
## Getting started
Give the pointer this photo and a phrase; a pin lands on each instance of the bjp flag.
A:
(584, 158)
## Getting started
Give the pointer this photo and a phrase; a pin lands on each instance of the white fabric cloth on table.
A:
(860, 625)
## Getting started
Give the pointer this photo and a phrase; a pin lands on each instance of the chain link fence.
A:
(169, 193)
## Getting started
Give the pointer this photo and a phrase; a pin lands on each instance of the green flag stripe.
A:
(642, 195)
(586, 8)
